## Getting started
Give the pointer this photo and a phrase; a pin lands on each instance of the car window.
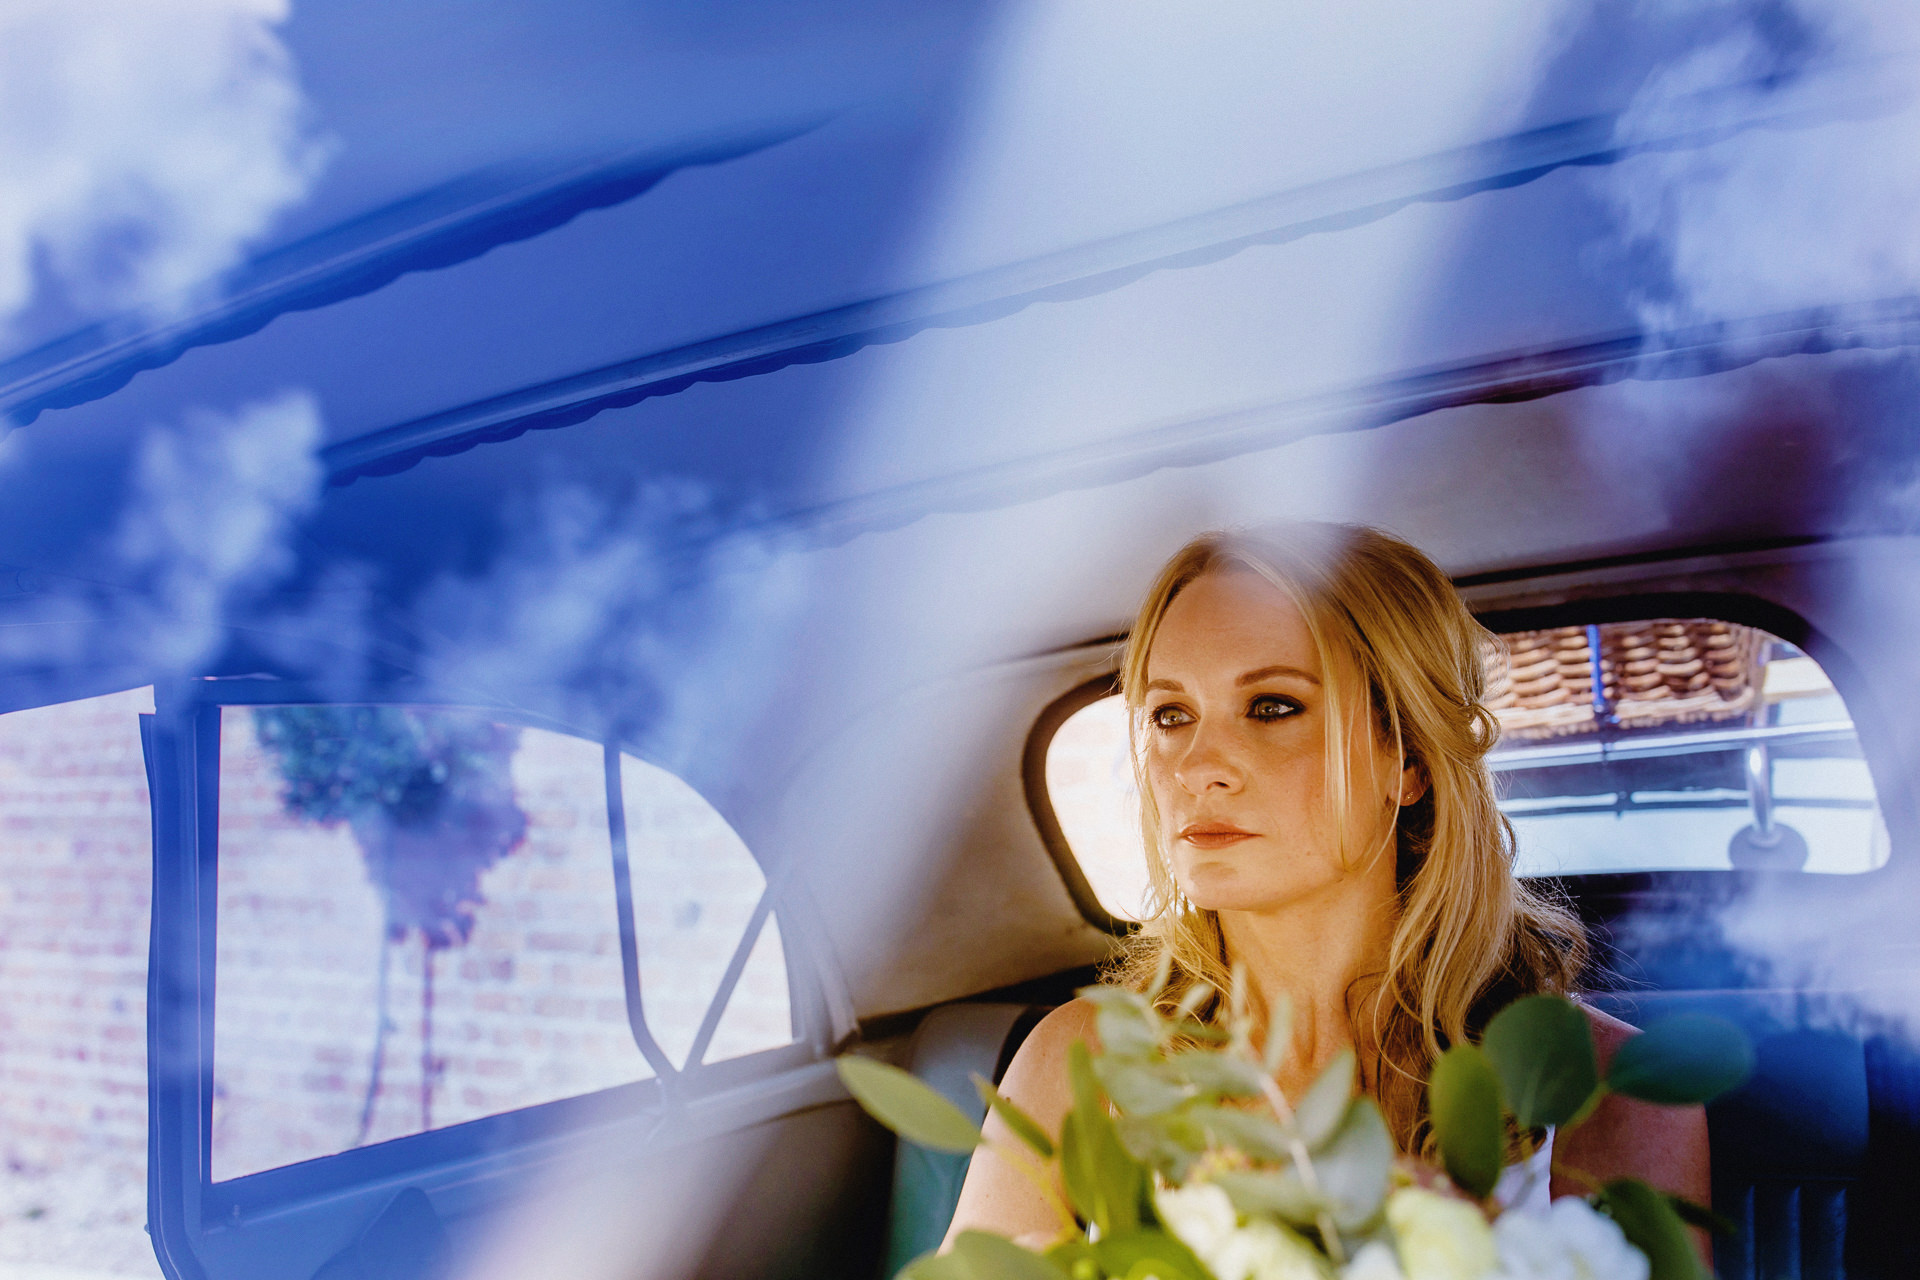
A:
(416, 928)
(1090, 782)
(1712, 746)
(418, 924)
(75, 830)
(698, 906)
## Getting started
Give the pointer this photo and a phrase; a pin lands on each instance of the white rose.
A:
(1204, 1220)
(1439, 1237)
(1572, 1241)
(1201, 1216)
(1265, 1251)
(1375, 1261)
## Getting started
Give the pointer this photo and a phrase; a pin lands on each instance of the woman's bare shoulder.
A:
(1609, 1033)
(1627, 1138)
(1038, 1073)
(998, 1196)
(1074, 1021)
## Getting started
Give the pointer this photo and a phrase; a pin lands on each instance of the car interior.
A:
(617, 601)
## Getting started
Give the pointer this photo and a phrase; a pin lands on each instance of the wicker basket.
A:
(1656, 674)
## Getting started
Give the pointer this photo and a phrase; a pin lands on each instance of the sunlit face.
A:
(1235, 746)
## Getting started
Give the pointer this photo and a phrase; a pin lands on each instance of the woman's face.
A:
(1235, 745)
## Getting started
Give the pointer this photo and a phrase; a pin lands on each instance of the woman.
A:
(1310, 740)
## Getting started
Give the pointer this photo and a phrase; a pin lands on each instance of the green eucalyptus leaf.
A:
(1356, 1166)
(907, 1106)
(1542, 1048)
(1699, 1215)
(1113, 1180)
(1162, 974)
(1259, 1136)
(1075, 1256)
(1104, 1181)
(1126, 1032)
(1196, 995)
(1140, 1088)
(1279, 1034)
(937, 1266)
(1683, 1059)
(1168, 1144)
(1087, 1098)
(1218, 1073)
(1122, 1180)
(1149, 1254)
(1652, 1226)
(991, 1257)
(1077, 1169)
(1318, 1114)
(1106, 996)
(1024, 1126)
(1272, 1193)
(1463, 1096)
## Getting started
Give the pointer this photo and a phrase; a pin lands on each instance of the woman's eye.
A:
(1169, 717)
(1268, 706)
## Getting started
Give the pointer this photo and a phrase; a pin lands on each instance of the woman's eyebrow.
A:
(1172, 686)
(1267, 673)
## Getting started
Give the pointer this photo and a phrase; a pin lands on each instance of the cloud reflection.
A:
(144, 145)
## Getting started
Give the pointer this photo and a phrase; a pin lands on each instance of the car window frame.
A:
(182, 746)
(1033, 782)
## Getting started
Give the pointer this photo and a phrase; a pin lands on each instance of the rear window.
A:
(1704, 745)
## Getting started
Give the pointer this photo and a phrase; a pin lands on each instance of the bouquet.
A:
(1182, 1160)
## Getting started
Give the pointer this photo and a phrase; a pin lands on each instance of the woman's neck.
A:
(1310, 953)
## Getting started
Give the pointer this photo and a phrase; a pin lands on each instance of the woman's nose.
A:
(1208, 764)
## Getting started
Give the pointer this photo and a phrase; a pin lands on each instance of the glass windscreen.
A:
(1667, 744)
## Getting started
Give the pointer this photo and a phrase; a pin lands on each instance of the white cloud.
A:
(210, 506)
(144, 144)
(1813, 209)
(654, 617)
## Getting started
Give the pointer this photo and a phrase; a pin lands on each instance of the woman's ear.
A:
(1413, 783)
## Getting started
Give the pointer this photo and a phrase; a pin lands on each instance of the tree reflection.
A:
(429, 797)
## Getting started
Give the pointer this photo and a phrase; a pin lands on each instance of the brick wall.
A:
(74, 882)
(530, 1009)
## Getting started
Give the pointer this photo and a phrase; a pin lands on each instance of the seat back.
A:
(1789, 1146)
(951, 1045)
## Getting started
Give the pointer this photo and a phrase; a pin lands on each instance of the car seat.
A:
(951, 1045)
(1814, 1156)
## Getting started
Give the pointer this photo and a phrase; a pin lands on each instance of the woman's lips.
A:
(1213, 835)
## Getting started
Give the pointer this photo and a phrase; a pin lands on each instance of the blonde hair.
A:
(1469, 937)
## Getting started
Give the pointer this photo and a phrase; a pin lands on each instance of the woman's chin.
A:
(1216, 883)
(1218, 888)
